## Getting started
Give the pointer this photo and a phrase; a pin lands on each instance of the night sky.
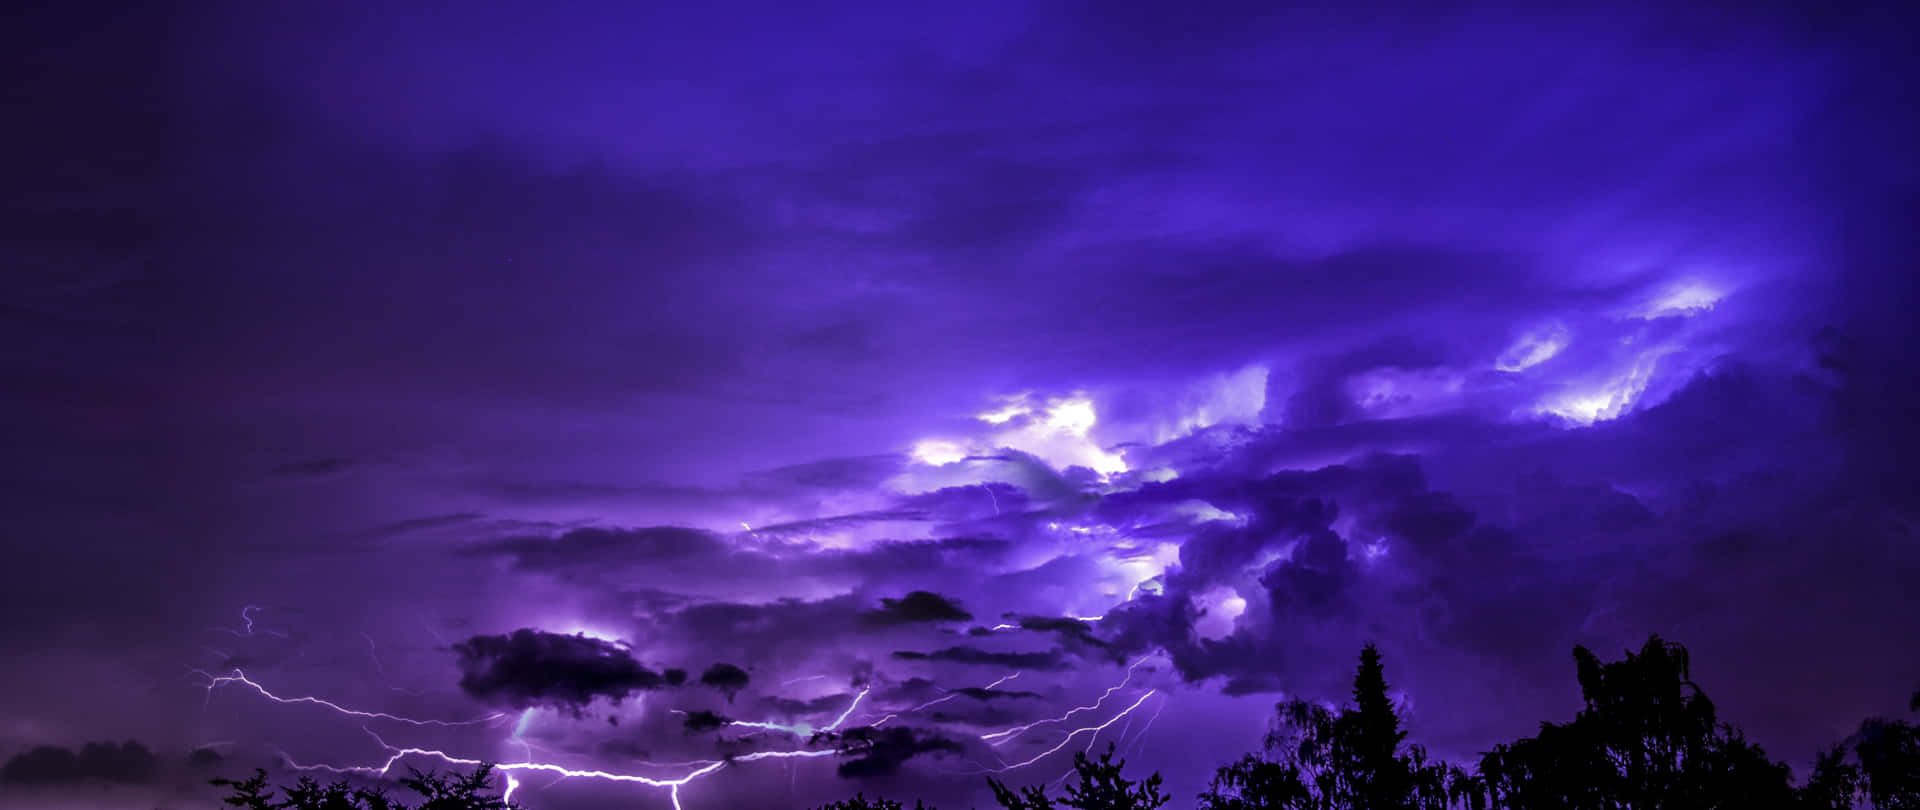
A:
(622, 386)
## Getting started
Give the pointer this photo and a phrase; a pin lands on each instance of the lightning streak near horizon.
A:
(699, 768)
(507, 769)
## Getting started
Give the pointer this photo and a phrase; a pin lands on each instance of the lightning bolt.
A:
(1141, 740)
(937, 701)
(1008, 735)
(396, 754)
(246, 617)
(1095, 730)
(214, 681)
(373, 654)
(1006, 626)
(797, 729)
(849, 712)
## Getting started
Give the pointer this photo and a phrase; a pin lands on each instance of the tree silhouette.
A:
(1884, 768)
(1355, 759)
(1101, 787)
(471, 791)
(1648, 738)
(1834, 783)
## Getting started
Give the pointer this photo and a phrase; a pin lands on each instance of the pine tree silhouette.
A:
(1356, 759)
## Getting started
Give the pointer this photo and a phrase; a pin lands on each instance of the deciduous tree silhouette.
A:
(472, 791)
(1878, 765)
(1834, 783)
(1101, 787)
(1648, 739)
(1356, 759)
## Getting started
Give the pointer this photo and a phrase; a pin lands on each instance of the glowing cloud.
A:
(938, 452)
(1684, 299)
(1390, 393)
(1056, 430)
(1533, 348)
(1235, 398)
(1611, 399)
(1222, 605)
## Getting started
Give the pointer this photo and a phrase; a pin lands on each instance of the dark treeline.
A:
(1648, 738)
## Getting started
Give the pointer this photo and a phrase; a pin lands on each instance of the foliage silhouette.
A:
(1878, 766)
(1101, 787)
(1648, 738)
(861, 802)
(1356, 759)
(471, 791)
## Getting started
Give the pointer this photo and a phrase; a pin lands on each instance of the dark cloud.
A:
(130, 763)
(533, 668)
(985, 694)
(1046, 660)
(918, 606)
(704, 720)
(590, 548)
(725, 677)
(881, 751)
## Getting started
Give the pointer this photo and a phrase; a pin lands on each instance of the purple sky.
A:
(356, 337)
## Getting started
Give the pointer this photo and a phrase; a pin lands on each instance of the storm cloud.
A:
(531, 667)
(918, 606)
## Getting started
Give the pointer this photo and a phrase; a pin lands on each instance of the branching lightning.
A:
(1078, 731)
(513, 773)
(937, 701)
(240, 677)
(798, 729)
(246, 616)
(397, 753)
(1007, 736)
